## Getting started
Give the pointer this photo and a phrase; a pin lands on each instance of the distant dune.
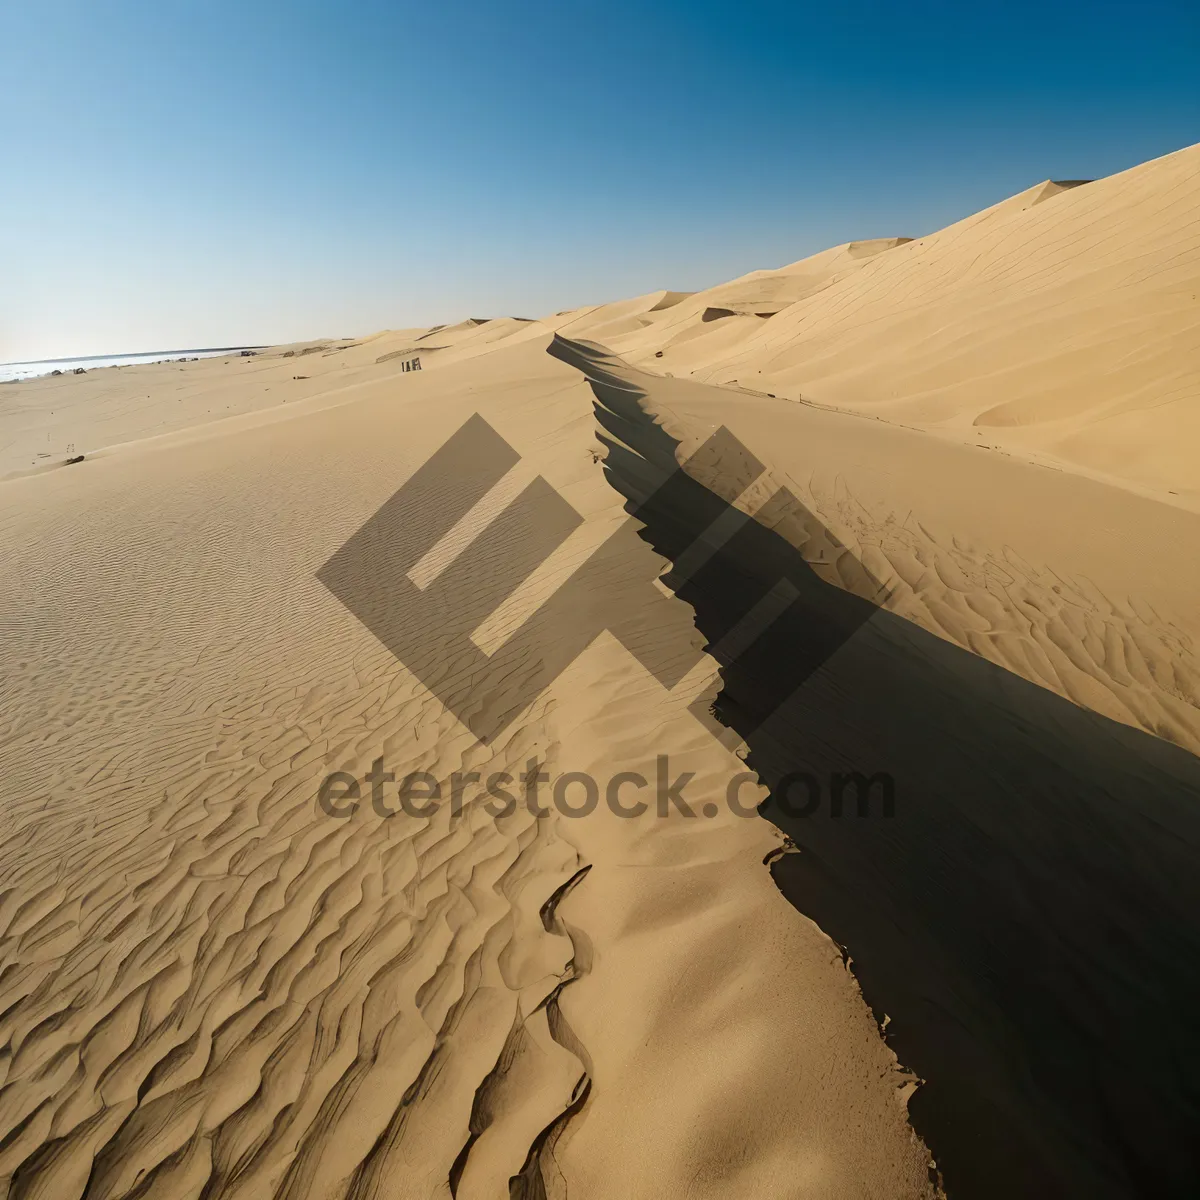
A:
(1061, 323)
(965, 469)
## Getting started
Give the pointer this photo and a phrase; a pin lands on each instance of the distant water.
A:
(46, 366)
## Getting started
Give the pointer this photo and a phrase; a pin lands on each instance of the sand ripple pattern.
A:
(241, 983)
(1113, 654)
(207, 985)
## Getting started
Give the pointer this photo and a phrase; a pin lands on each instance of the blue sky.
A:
(183, 174)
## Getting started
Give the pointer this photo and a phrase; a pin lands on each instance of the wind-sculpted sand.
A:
(211, 986)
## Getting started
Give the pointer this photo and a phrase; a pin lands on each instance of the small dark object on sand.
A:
(77, 458)
(658, 354)
(55, 372)
(81, 370)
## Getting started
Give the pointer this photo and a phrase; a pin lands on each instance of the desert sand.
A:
(973, 457)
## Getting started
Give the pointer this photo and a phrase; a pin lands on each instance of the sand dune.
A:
(1061, 322)
(210, 986)
(1032, 904)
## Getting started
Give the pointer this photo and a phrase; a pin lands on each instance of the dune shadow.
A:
(1027, 918)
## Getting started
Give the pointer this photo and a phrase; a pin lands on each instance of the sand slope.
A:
(210, 987)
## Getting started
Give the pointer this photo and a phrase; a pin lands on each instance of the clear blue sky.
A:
(187, 173)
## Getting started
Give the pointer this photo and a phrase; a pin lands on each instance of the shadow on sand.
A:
(1028, 920)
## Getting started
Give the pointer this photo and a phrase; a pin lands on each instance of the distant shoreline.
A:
(24, 370)
(31, 362)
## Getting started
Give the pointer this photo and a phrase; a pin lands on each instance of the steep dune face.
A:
(1064, 322)
(986, 919)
